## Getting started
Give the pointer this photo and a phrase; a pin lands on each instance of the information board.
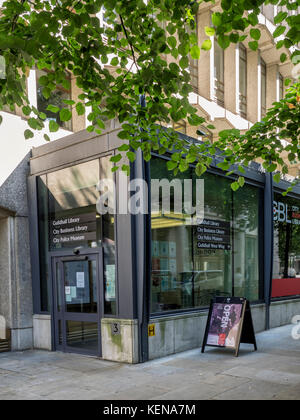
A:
(213, 234)
(229, 324)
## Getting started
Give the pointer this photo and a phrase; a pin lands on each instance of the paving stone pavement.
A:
(271, 373)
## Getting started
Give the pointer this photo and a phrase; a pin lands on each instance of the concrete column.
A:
(120, 340)
(253, 86)
(205, 57)
(15, 284)
(272, 85)
(230, 75)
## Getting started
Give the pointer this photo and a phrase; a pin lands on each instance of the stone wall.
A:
(15, 270)
(174, 334)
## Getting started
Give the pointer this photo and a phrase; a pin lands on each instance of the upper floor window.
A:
(218, 74)
(194, 64)
(268, 11)
(263, 88)
(242, 81)
(57, 97)
(180, 126)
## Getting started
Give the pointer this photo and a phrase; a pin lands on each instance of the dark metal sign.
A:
(213, 235)
(66, 230)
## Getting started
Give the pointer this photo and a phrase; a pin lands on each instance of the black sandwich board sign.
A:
(229, 324)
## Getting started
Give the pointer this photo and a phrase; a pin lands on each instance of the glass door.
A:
(76, 304)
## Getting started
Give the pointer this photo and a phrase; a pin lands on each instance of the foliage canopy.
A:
(61, 35)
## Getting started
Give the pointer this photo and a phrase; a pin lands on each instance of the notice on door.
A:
(80, 282)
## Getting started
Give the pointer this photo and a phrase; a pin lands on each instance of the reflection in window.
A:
(192, 264)
(286, 260)
(246, 243)
(68, 219)
(219, 73)
(243, 81)
(109, 249)
(56, 99)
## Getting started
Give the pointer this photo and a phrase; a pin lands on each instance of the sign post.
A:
(229, 324)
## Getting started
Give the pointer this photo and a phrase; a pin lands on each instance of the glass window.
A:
(246, 242)
(192, 264)
(219, 73)
(56, 99)
(281, 87)
(263, 70)
(193, 63)
(243, 81)
(268, 11)
(180, 126)
(286, 259)
(68, 219)
(109, 248)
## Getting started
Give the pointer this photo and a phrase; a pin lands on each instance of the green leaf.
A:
(123, 135)
(210, 31)
(283, 57)
(65, 114)
(28, 134)
(116, 158)
(280, 17)
(131, 156)
(277, 177)
(184, 62)
(255, 34)
(216, 19)
(279, 31)
(200, 169)
(195, 52)
(235, 186)
(224, 41)
(124, 148)
(253, 45)
(171, 165)
(26, 110)
(172, 41)
(241, 181)
(206, 45)
(80, 108)
(272, 167)
(114, 62)
(52, 108)
(53, 126)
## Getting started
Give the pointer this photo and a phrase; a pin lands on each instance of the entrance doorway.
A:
(76, 281)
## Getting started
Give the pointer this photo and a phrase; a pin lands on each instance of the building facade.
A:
(75, 280)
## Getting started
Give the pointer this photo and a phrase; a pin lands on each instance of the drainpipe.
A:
(268, 243)
(142, 249)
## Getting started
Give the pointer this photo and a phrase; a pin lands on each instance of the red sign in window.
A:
(285, 287)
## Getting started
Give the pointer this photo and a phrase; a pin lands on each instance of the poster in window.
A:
(110, 275)
(172, 265)
(155, 248)
(172, 249)
(164, 283)
(164, 264)
(80, 280)
(155, 264)
(164, 248)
